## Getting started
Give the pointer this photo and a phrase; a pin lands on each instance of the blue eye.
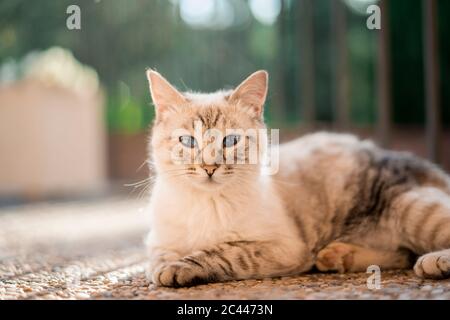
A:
(231, 140)
(188, 141)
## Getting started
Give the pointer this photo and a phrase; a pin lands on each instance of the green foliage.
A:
(407, 57)
(362, 57)
(444, 34)
(126, 114)
(120, 39)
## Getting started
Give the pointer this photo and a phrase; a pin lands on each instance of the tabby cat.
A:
(336, 202)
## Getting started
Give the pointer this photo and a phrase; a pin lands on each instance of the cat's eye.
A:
(231, 140)
(188, 141)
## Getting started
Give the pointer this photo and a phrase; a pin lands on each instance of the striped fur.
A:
(337, 202)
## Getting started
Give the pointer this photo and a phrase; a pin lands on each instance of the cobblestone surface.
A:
(93, 250)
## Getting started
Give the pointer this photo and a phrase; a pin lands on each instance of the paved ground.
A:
(93, 250)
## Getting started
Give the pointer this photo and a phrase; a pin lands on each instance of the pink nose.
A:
(210, 169)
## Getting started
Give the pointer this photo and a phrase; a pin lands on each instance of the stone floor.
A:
(93, 250)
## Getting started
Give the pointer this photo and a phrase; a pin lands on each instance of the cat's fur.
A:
(337, 202)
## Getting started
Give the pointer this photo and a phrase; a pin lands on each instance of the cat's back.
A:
(338, 159)
(319, 153)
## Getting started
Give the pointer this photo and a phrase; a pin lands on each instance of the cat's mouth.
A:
(211, 180)
(210, 183)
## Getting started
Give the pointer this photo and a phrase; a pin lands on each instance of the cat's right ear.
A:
(165, 97)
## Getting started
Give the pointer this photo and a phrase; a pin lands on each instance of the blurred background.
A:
(75, 108)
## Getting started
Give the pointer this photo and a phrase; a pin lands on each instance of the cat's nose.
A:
(210, 169)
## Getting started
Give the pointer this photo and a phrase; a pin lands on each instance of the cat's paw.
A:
(337, 256)
(434, 265)
(157, 260)
(178, 274)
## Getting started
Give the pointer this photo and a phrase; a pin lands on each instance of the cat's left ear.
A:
(252, 92)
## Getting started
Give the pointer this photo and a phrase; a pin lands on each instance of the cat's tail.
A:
(423, 218)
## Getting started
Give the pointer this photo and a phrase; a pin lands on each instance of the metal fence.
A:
(341, 80)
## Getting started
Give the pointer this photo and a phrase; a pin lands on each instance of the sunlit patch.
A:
(218, 14)
(360, 6)
(265, 11)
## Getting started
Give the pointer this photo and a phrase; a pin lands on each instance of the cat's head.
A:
(208, 141)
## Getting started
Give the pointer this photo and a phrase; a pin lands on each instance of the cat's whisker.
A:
(144, 185)
(143, 163)
(139, 183)
(177, 169)
(186, 173)
(144, 191)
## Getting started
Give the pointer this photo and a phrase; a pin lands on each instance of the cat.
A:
(337, 203)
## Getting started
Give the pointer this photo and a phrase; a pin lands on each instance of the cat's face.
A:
(209, 141)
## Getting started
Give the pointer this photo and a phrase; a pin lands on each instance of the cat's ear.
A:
(164, 95)
(252, 92)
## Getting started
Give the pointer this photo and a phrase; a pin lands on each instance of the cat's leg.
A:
(423, 218)
(234, 260)
(347, 257)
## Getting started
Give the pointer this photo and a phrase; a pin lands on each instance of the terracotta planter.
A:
(52, 141)
(128, 156)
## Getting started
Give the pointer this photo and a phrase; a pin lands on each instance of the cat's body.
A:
(337, 202)
(347, 190)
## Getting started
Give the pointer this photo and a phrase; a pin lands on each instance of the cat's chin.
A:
(208, 184)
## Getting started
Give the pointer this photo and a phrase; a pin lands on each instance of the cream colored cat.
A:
(337, 202)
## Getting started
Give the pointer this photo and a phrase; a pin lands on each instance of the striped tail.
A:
(424, 219)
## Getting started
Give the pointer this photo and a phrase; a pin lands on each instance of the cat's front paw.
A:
(434, 265)
(179, 274)
(337, 256)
